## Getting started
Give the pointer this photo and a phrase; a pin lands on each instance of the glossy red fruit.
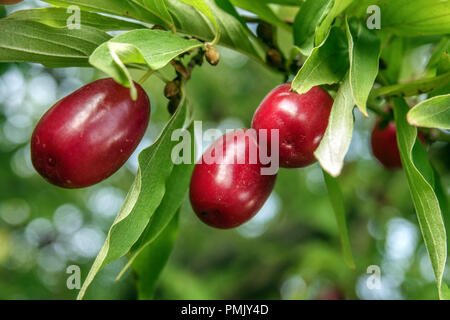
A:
(301, 120)
(87, 136)
(226, 194)
(385, 147)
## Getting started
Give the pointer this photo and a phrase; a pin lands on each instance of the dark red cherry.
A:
(301, 120)
(226, 192)
(384, 145)
(87, 136)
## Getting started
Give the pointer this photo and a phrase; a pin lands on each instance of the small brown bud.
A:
(212, 55)
(181, 69)
(173, 104)
(265, 32)
(275, 59)
(172, 89)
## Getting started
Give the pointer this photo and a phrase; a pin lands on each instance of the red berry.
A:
(385, 147)
(301, 120)
(227, 193)
(87, 136)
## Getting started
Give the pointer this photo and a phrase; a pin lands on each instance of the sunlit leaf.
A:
(431, 113)
(364, 49)
(306, 22)
(336, 140)
(327, 64)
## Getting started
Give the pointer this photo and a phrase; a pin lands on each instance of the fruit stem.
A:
(146, 76)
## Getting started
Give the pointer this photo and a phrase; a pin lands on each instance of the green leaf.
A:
(201, 6)
(235, 33)
(311, 14)
(337, 202)
(151, 261)
(322, 31)
(31, 41)
(122, 8)
(327, 64)
(154, 48)
(431, 113)
(415, 18)
(364, 50)
(176, 188)
(443, 47)
(412, 88)
(284, 2)
(157, 8)
(144, 197)
(58, 17)
(392, 56)
(262, 10)
(428, 212)
(336, 140)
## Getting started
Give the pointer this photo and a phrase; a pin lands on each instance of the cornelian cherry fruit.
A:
(228, 192)
(301, 120)
(87, 136)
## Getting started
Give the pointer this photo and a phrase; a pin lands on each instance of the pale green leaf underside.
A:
(327, 64)
(364, 51)
(336, 140)
(431, 113)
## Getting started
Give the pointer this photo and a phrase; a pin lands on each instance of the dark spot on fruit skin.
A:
(217, 211)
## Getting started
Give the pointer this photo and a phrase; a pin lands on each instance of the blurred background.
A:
(290, 250)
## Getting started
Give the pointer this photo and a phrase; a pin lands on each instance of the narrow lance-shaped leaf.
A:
(336, 140)
(431, 113)
(31, 41)
(59, 17)
(311, 14)
(176, 188)
(417, 169)
(338, 7)
(201, 6)
(262, 10)
(150, 263)
(157, 8)
(144, 197)
(415, 18)
(412, 88)
(337, 202)
(154, 48)
(122, 8)
(364, 51)
(327, 64)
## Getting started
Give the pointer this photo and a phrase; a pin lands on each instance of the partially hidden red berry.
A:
(385, 146)
(301, 120)
(227, 193)
(87, 136)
